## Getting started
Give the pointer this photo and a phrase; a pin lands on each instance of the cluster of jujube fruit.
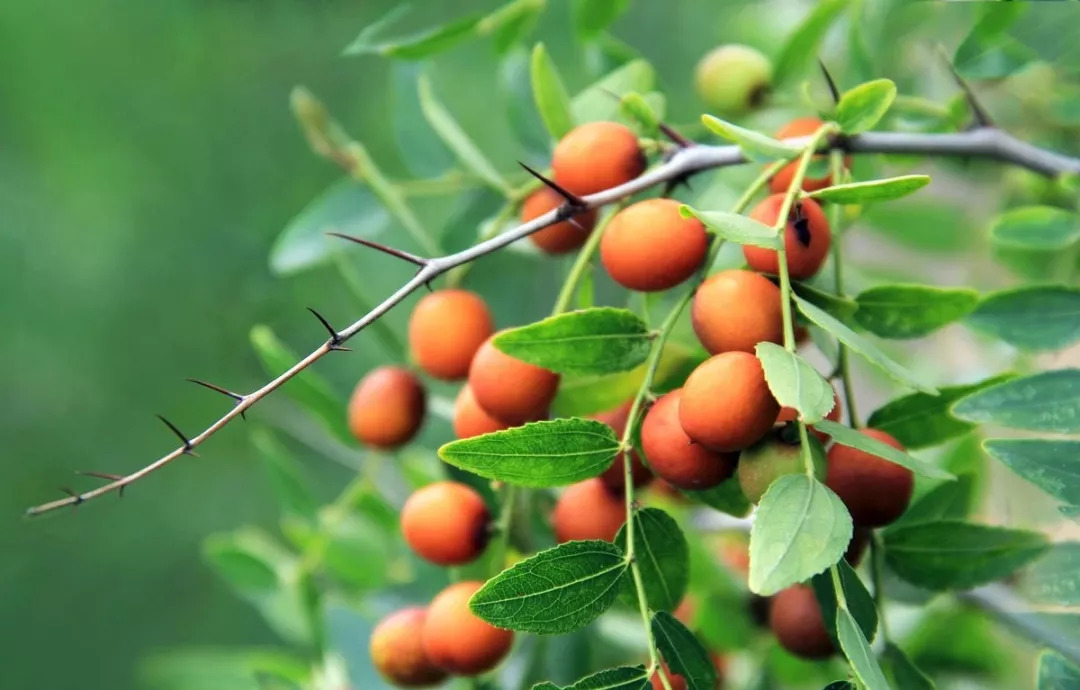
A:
(722, 423)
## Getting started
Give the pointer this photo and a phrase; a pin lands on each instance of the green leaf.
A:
(637, 108)
(858, 601)
(1031, 318)
(841, 308)
(556, 591)
(621, 678)
(860, 345)
(727, 497)
(307, 388)
(754, 145)
(1048, 401)
(872, 190)
(601, 340)
(1054, 578)
(863, 107)
(1036, 227)
(989, 53)
(554, 453)
(509, 24)
(552, 100)
(922, 223)
(286, 476)
(801, 529)
(795, 383)
(803, 42)
(919, 420)
(593, 16)
(735, 227)
(683, 652)
(912, 311)
(457, 140)
(595, 102)
(356, 554)
(841, 685)
(1056, 672)
(857, 651)
(345, 206)
(240, 566)
(949, 501)
(421, 150)
(583, 395)
(952, 554)
(663, 557)
(1051, 465)
(415, 47)
(903, 673)
(846, 436)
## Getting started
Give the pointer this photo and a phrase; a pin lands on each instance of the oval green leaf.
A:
(602, 340)
(846, 436)
(735, 227)
(754, 145)
(860, 345)
(593, 16)
(842, 308)
(801, 529)
(562, 451)
(1036, 227)
(663, 557)
(795, 383)
(858, 653)
(552, 100)
(1057, 672)
(1054, 578)
(621, 678)
(1041, 317)
(727, 497)
(802, 44)
(556, 591)
(912, 311)
(1051, 465)
(595, 101)
(1049, 401)
(952, 554)
(293, 492)
(683, 652)
(872, 190)
(902, 671)
(420, 45)
(857, 600)
(863, 107)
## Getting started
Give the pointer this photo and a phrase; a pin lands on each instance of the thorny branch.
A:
(982, 142)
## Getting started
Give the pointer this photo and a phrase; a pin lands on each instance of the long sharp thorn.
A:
(571, 198)
(107, 475)
(405, 256)
(188, 447)
(982, 118)
(829, 80)
(335, 339)
(671, 133)
(224, 391)
(77, 496)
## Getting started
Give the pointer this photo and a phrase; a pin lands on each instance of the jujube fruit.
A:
(509, 389)
(455, 639)
(679, 683)
(771, 458)
(649, 246)
(733, 78)
(726, 404)
(795, 618)
(673, 456)
(398, 655)
(446, 329)
(781, 181)
(875, 491)
(860, 539)
(387, 407)
(806, 238)
(736, 310)
(446, 523)
(596, 156)
(588, 510)
(563, 236)
(615, 475)
(470, 419)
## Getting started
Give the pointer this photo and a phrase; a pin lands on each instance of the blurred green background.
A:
(148, 159)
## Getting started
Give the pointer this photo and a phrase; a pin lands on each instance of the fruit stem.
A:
(502, 528)
(836, 166)
(582, 263)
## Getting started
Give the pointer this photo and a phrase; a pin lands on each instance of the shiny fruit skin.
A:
(446, 329)
(615, 476)
(788, 414)
(875, 491)
(771, 458)
(562, 237)
(673, 456)
(455, 639)
(397, 654)
(781, 181)
(588, 510)
(509, 389)
(795, 618)
(803, 260)
(726, 404)
(649, 246)
(470, 419)
(446, 523)
(736, 310)
(387, 407)
(732, 79)
(596, 156)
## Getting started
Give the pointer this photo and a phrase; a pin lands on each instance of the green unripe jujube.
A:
(733, 78)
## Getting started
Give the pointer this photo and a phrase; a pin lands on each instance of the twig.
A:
(986, 143)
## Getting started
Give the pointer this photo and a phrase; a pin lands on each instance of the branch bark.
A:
(978, 143)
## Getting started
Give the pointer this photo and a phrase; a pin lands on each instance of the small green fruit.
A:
(733, 78)
(777, 454)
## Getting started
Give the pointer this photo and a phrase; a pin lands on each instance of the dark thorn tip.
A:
(829, 80)
(673, 134)
(571, 198)
(403, 255)
(187, 442)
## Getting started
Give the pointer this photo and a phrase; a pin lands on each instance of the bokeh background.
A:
(148, 160)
